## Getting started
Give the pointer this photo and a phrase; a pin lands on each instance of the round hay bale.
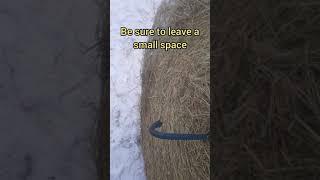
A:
(176, 89)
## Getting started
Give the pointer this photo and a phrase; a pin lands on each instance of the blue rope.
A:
(175, 136)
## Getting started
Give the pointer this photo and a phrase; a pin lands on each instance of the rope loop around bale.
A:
(175, 136)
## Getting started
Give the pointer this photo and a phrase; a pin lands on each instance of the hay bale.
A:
(267, 88)
(176, 89)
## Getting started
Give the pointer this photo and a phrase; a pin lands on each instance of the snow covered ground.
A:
(125, 87)
(49, 89)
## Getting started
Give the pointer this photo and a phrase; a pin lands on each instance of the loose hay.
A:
(176, 89)
(267, 101)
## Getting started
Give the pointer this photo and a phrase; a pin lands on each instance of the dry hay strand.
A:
(267, 91)
(176, 89)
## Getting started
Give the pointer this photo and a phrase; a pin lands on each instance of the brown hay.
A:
(267, 102)
(176, 89)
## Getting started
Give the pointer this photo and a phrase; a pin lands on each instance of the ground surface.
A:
(126, 162)
(49, 89)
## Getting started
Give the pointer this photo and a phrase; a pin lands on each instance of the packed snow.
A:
(126, 161)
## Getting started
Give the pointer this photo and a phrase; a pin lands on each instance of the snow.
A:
(49, 90)
(126, 160)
